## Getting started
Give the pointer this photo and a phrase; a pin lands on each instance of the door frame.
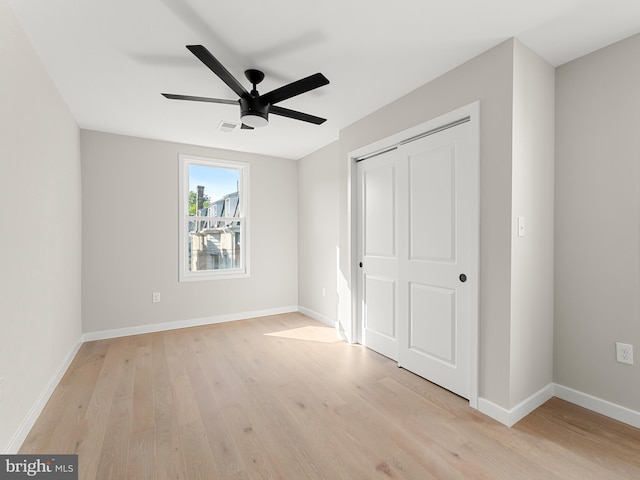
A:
(472, 111)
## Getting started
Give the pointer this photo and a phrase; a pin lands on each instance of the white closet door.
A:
(415, 207)
(435, 284)
(377, 198)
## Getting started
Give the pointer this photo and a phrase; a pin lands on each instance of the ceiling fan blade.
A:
(246, 127)
(216, 67)
(305, 117)
(173, 96)
(295, 88)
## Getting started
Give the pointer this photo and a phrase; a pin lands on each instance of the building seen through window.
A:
(214, 222)
(215, 240)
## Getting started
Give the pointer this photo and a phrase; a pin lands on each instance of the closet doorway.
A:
(416, 208)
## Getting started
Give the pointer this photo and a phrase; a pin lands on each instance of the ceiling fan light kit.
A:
(255, 108)
(254, 119)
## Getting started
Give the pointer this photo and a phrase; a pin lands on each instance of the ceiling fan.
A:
(255, 108)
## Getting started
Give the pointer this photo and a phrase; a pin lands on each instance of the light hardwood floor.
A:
(278, 397)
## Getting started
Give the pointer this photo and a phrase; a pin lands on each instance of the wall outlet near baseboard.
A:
(624, 353)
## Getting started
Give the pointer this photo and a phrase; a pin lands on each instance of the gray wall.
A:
(597, 262)
(318, 231)
(130, 236)
(516, 92)
(531, 362)
(488, 78)
(40, 208)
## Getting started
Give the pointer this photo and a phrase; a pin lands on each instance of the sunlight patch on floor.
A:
(310, 333)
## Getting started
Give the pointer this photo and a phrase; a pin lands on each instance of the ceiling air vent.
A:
(228, 127)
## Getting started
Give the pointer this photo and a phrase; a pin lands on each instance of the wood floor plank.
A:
(142, 406)
(326, 436)
(84, 377)
(255, 457)
(384, 436)
(225, 454)
(289, 443)
(92, 432)
(170, 461)
(141, 458)
(115, 447)
(198, 458)
(265, 399)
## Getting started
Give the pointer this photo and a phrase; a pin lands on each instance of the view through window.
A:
(213, 218)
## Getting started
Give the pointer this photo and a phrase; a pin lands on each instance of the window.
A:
(213, 218)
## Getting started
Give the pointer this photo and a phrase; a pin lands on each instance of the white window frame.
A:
(185, 274)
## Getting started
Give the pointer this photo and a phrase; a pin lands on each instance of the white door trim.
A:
(353, 328)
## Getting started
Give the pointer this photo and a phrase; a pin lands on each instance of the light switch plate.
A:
(521, 227)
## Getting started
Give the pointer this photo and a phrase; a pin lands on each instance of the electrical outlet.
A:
(624, 353)
(155, 297)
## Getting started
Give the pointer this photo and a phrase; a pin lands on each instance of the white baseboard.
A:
(494, 411)
(197, 322)
(30, 420)
(528, 405)
(514, 415)
(598, 405)
(317, 316)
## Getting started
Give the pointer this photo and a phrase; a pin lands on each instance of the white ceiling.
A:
(111, 59)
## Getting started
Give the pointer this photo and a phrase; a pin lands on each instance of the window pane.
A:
(210, 186)
(215, 219)
(214, 245)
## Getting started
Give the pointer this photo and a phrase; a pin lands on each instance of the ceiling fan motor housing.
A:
(253, 106)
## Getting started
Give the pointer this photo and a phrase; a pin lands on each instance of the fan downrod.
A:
(254, 76)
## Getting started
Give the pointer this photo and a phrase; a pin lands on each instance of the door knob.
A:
(360, 264)
(463, 277)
